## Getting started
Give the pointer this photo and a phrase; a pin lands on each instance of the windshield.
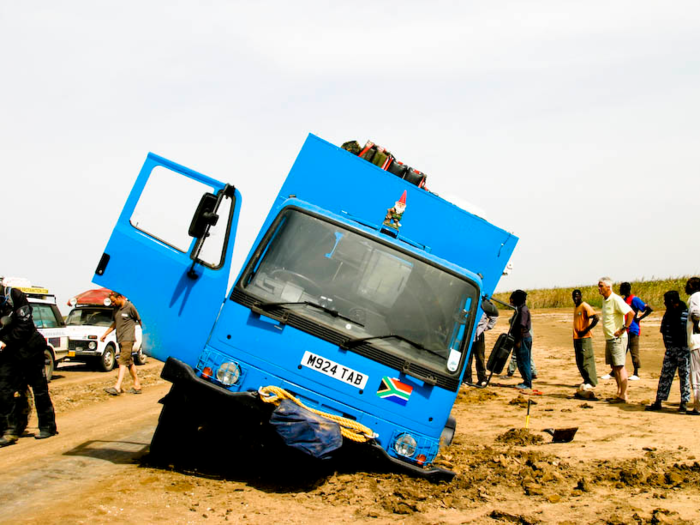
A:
(376, 289)
(90, 316)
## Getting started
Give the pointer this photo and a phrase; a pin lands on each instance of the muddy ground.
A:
(624, 465)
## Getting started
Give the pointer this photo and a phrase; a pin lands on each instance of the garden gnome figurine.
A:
(393, 215)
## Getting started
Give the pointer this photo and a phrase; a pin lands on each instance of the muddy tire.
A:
(140, 358)
(107, 360)
(175, 435)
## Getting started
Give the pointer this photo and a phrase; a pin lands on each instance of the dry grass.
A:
(651, 292)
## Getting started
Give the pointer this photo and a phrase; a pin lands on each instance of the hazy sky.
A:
(572, 124)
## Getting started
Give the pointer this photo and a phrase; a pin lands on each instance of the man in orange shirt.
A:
(584, 321)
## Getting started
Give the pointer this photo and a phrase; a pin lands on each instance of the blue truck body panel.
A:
(392, 388)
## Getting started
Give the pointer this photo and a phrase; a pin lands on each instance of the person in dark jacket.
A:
(522, 333)
(673, 330)
(478, 353)
(21, 364)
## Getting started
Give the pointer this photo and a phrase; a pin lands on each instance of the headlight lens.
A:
(405, 445)
(92, 345)
(228, 373)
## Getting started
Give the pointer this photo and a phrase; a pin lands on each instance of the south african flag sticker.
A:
(394, 390)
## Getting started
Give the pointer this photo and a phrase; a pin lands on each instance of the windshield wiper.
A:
(353, 343)
(265, 307)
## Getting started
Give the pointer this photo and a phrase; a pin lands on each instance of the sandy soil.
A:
(625, 465)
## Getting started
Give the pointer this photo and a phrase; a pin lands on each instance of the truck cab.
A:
(340, 306)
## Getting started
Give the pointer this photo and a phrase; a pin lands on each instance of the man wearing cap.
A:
(125, 319)
(617, 317)
(21, 364)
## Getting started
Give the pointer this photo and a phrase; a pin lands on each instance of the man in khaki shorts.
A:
(125, 319)
(617, 317)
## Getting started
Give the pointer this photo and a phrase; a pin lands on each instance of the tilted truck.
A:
(343, 305)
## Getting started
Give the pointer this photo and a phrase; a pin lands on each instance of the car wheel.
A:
(140, 358)
(49, 364)
(107, 359)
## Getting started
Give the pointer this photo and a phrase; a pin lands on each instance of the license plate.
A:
(334, 370)
(72, 353)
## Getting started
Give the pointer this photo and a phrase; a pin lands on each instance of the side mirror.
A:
(204, 216)
(500, 353)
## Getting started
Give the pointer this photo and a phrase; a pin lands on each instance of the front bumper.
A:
(206, 394)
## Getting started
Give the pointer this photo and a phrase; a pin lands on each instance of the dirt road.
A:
(625, 465)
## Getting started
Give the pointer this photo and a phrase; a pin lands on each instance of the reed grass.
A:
(651, 292)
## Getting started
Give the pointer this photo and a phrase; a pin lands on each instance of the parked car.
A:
(47, 319)
(91, 315)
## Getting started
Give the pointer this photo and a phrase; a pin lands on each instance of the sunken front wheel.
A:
(176, 433)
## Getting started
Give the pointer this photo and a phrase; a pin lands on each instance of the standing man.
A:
(478, 354)
(617, 317)
(521, 331)
(692, 288)
(584, 321)
(21, 364)
(125, 319)
(674, 332)
(641, 310)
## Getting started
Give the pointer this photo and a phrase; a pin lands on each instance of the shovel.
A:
(561, 435)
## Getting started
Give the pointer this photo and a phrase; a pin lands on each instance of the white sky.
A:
(572, 124)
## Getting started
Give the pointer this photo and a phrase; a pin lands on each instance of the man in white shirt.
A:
(617, 316)
(692, 288)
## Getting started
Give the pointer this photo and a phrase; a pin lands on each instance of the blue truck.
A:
(358, 301)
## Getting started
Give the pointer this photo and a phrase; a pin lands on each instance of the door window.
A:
(165, 210)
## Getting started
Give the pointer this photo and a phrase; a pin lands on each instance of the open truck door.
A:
(170, 253)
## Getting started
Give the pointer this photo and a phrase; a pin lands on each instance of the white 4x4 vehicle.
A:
(91, 315)
(47, 319)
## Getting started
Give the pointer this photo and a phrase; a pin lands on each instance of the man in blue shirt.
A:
(641, 310)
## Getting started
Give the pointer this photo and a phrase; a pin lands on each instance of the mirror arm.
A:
(492, 298)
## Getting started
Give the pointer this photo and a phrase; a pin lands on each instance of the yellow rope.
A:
(348, 428)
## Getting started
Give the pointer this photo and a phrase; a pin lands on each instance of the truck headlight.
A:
(92, 345)
(228, 373)
(405, 445)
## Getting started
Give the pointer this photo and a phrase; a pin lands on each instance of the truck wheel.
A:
(448, 433)
(107, 359)
(140, 358)
(175, 434)
(49, 364)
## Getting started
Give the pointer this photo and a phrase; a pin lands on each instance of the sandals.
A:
(114, 392)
